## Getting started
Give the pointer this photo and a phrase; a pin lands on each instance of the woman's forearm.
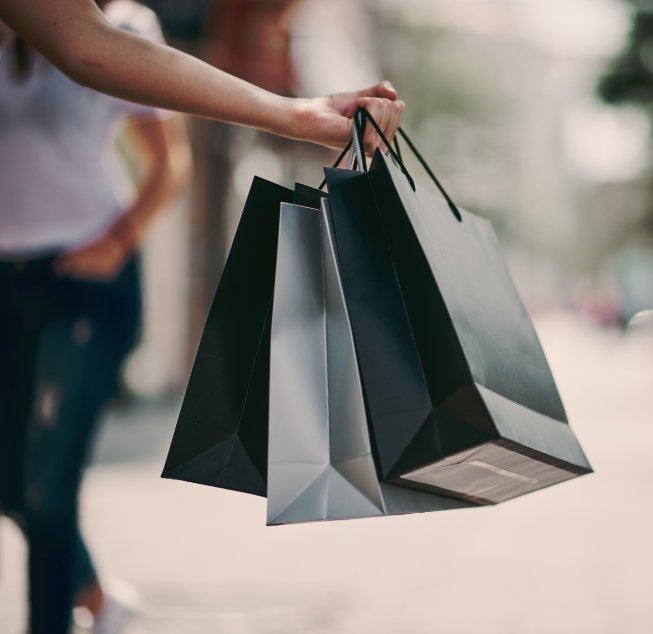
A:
(75, 36)
(137, 69)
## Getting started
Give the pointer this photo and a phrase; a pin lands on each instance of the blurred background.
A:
(536, 115)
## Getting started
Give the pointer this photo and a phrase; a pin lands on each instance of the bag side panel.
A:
(497, 337)
(225, 404)
(396, 394)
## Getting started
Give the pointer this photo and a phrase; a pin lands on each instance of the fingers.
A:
(372, 140)
(316, 120)
(387, 115)
(395, 122)
(101, 260)
(70, 265)
(382, 90)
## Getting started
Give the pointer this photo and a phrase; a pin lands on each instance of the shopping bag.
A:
(459, 394)
(320, 463)
(221, 435)
(222, 432)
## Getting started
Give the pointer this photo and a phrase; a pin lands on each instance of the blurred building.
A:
(186, 251)
(500, 97)
(290, 47)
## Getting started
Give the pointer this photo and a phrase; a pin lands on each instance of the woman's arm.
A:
(167, 167)
(75, 36)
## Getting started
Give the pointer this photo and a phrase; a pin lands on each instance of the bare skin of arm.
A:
(76, 37)
(167, 160)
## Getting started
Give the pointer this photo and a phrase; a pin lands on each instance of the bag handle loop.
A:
(357, 156)
(454, 210)
(396, 155)
(360, 119)
(358, 132)
(338, 160)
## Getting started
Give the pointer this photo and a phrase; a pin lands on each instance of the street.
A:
(573, 559)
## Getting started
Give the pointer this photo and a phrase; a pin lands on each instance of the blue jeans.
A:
(62, 344)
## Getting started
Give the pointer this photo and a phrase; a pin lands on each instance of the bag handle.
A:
(357, 155)
(360, 119)
(396, 155)
(358, 131)
(454, 210)
(338, 160)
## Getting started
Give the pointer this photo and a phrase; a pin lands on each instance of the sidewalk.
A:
(572, 559)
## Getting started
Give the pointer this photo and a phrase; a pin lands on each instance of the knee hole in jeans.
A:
(82, 332)
(49, 397)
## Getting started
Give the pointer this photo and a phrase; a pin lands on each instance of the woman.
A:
(74, 36)
(69, 296)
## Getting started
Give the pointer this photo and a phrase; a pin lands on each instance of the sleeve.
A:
(139, 19)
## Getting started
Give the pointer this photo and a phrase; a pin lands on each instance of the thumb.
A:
(357, 104)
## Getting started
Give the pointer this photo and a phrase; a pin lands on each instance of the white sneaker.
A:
(121, 604)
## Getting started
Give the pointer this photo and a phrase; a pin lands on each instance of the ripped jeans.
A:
(62, 344)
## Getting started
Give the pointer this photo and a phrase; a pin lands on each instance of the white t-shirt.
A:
(59, 182)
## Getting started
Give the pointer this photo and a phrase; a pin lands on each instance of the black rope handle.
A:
(397, 157)
(357, 137)
(429, 171)
(397, 148)
(366, 115)
(338, 160)
(358, 155)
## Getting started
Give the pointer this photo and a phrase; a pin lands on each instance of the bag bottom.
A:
(489, 473)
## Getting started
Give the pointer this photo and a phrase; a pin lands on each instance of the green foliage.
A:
(630, 76)
(629, 79)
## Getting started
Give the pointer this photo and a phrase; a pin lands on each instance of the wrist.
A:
(316, 121)
(286, 117)
(124, 234)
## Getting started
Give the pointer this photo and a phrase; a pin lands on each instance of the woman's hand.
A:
(101, 260)
(165, 157)
(329, 120)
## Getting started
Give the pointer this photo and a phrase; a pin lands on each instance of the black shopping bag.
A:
(222, 432)
(221, 437)
(460, 397)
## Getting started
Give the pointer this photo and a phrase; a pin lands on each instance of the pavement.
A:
(572, 559)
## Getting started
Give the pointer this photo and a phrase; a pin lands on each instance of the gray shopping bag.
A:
(320, 464)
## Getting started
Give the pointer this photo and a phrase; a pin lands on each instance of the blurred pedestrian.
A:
(74, 36)
(70, 297)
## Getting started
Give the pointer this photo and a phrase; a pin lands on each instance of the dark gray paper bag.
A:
(459, 395)
(221, 437)
(222, 433)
